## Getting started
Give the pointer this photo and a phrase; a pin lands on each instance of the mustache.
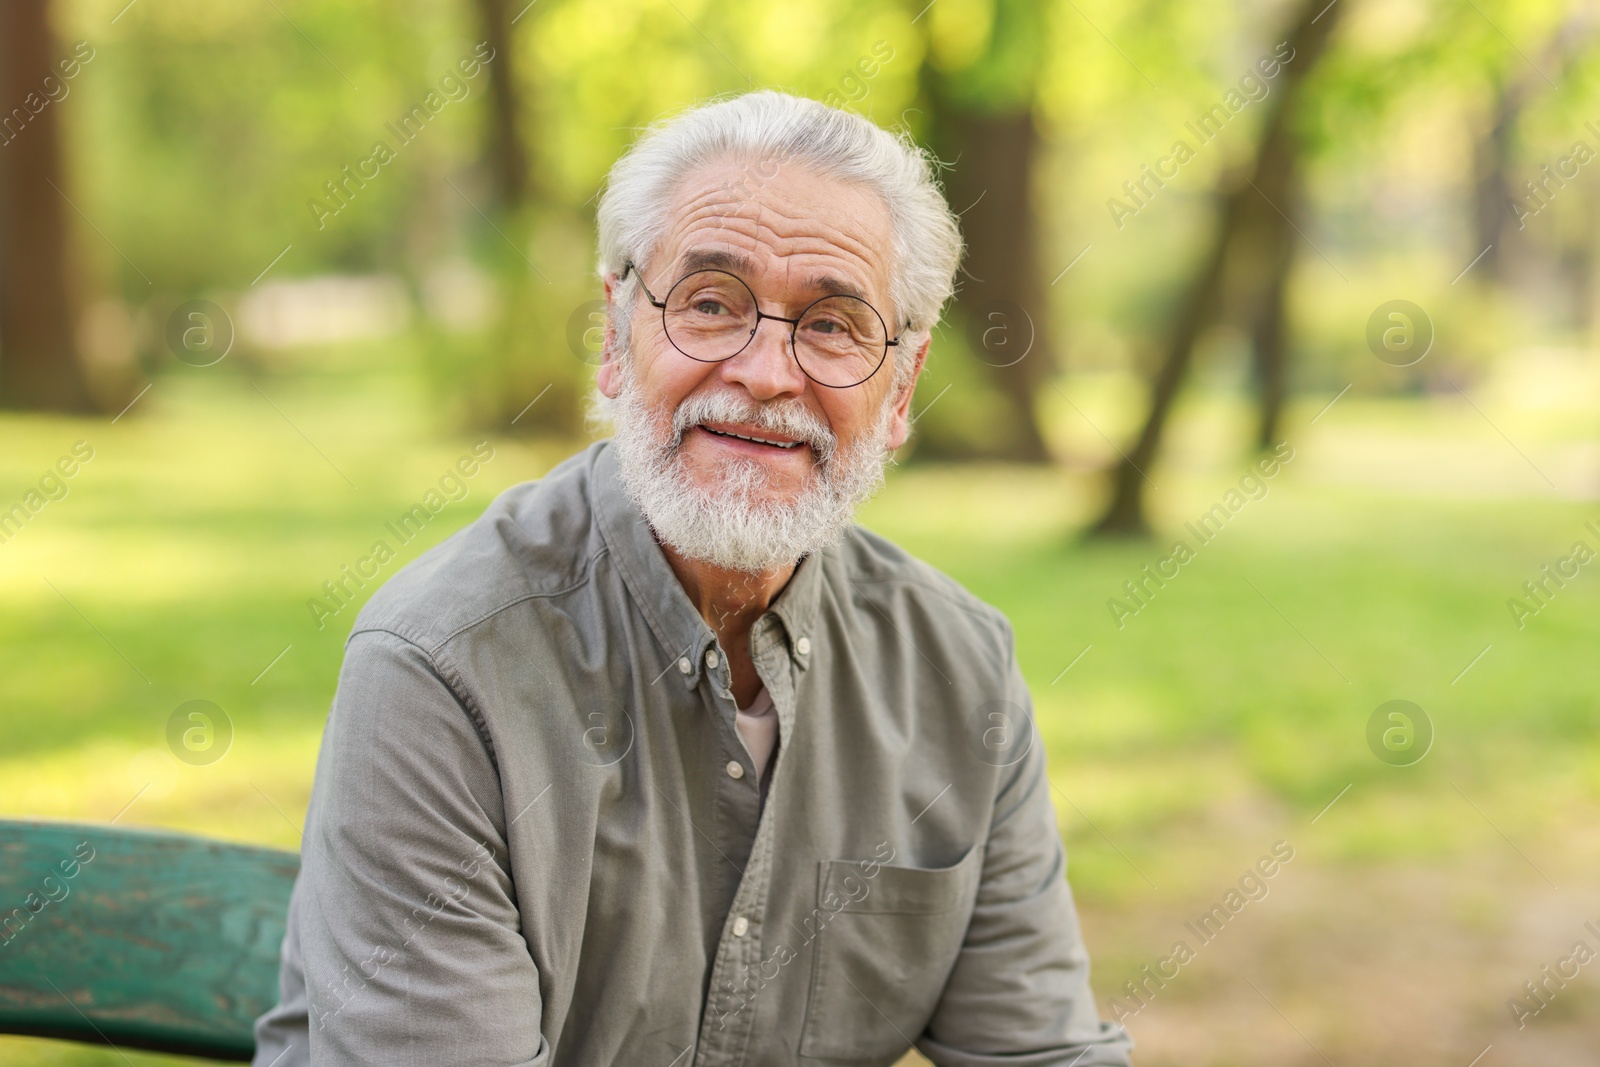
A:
(789, 418)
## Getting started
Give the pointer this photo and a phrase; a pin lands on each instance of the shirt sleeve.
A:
(408, 931)
(281, 1036)
(1019, 992)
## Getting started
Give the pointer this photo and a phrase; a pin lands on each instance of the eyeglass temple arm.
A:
(648, 295)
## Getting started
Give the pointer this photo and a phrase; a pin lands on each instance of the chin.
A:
(754, 481)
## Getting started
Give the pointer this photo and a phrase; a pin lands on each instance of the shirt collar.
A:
(656, 589)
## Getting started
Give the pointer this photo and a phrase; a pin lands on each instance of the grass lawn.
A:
(1186, 738)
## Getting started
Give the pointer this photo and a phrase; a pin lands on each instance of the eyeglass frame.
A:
(794, 324)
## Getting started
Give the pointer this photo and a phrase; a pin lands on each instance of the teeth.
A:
(757, 440)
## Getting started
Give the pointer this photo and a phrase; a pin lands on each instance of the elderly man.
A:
(662, 761)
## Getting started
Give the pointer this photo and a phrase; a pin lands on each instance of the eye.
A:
(827, 326)
(714, 301)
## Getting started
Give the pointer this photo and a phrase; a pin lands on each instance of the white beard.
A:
(733, 525)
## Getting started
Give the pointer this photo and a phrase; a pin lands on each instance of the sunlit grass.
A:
(1228, 712)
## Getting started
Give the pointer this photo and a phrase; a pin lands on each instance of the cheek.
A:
(666, 376)
(849, 417)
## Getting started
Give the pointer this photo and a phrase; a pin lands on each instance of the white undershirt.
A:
(758, 729)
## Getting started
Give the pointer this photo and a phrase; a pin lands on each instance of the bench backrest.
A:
(132, 937)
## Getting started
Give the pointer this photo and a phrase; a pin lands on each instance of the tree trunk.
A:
(1494, 154)
(538, 252)
(1240, 214)
(503, 151)
(1492, 189)
(39, 365)
(1268, 238)
(1125, 515)
(980, 122)
(1269, 344)
(1001, 298)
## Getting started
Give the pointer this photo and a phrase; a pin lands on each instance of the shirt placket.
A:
(736, 978)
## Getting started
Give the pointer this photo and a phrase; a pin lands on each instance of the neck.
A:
(730, 602)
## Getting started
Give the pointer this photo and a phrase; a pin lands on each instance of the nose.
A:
(767, 367)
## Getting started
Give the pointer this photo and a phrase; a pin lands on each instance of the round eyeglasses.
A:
(711, 316)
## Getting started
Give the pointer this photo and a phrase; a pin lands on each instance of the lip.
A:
(749, 431)
(749, 448)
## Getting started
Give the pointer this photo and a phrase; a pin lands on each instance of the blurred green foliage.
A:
(1181, 743)
(200, 133)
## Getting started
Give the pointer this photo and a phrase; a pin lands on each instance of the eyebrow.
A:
(835, 286)
(717, 259)
(742, 265)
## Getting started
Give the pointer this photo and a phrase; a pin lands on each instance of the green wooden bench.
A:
(136, 938)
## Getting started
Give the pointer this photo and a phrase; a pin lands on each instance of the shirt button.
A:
(711, 659)
(684, 666)
(741, 926)
(803, 646)
(735, 769)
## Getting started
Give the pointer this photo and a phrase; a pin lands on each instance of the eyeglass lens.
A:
(711, 316)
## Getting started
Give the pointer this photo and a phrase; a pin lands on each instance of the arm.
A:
(411, 941)
(1019, 993)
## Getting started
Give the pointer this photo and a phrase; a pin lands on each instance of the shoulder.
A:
(893, 587)
(536, 539)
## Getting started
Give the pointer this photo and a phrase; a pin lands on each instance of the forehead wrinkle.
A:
(710, 204)
(765, 231)
(861, 245)
(855, 254)
(843, 276)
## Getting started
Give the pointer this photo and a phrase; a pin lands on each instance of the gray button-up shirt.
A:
(535, 837)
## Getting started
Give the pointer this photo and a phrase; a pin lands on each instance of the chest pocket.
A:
(884, 956)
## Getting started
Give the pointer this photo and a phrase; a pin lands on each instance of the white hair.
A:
(768, 128)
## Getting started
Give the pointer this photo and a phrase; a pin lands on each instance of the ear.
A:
(609, 357)
(900, 426)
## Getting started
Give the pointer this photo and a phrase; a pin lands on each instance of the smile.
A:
(756, 440)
